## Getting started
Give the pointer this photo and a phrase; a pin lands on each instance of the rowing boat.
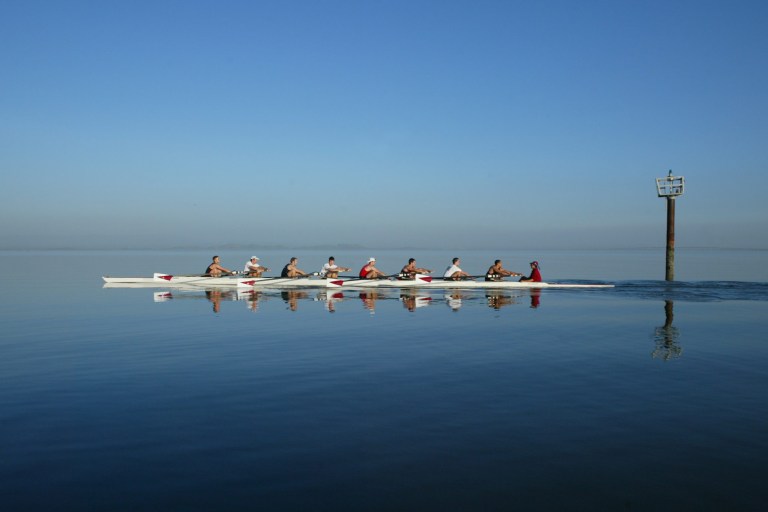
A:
(159, 279)
(420, 281)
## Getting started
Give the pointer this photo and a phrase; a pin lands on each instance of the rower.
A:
(331, 270)
(253, 269)
(497, 272)
(410, 270)
(215, 269)
(369, 270)
(290, 269)
(454, 272)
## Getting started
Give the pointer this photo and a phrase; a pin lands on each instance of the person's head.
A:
(294, 259)
(455, 261)
(254, 259)
(331, 259)
(371, 261)
(497, 262)
(411, 260)
(534, 264)
(215, 259)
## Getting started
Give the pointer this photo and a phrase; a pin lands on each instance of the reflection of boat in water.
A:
(215, 295)
(410, 298)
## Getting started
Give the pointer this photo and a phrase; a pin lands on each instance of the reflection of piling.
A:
(666, 336)
(669, 313)
(670, 187)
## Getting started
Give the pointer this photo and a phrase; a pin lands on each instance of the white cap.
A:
(371, 259)
(254, 258)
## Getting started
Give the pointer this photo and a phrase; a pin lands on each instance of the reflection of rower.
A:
(291, 297)
(369, 300)
(535, 294)
(412, 300)
(453, 300)
(330, 298)
(497, 299)
(252, 300)
(215, 297)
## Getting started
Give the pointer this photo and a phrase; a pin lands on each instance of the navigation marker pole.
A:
(670, 187)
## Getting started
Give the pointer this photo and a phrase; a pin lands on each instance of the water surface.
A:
(647, 396)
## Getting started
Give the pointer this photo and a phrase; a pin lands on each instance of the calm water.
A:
(648, 396)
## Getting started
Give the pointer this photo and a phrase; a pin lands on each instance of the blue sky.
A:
(433, 124)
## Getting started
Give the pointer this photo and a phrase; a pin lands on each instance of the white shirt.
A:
(328, 268)
(451, 270)
(249, 267)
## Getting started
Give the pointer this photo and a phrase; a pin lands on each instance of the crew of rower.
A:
(330, 270)
(253, 268)
(410, 270)
(215, 269)
(291, 270)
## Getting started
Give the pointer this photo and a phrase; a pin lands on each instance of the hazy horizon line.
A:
(358, 247)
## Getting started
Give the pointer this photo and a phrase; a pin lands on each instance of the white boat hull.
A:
(425, 282)
(170, 280)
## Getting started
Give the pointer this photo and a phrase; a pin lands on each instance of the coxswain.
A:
(535, 274)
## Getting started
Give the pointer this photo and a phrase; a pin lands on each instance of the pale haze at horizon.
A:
(425, 124)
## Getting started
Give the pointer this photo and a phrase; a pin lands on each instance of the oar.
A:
(278, 279)
(356, 279)
(465, 278)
